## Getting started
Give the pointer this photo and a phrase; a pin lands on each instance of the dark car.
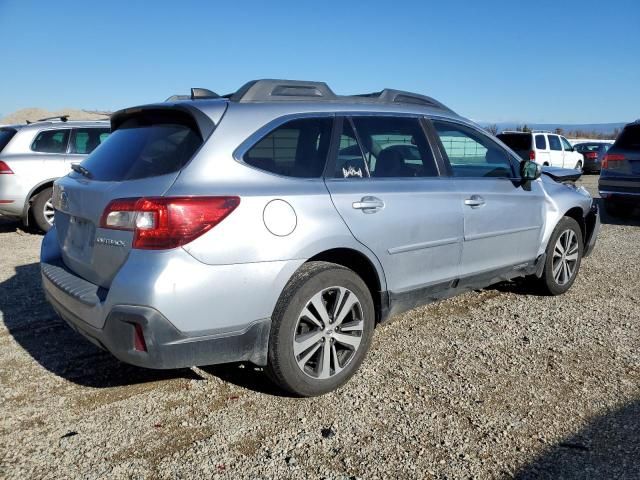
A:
(619, 183)
(593, 153)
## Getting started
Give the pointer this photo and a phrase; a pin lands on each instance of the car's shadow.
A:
(608, 447)
(54, 345)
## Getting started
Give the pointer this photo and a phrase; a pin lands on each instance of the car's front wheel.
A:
(564, 254)
(321, 329)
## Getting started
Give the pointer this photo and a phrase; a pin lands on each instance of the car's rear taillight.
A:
(590, 155)
(4, 169)
(166, 222)
(532, 155)
(612, 160)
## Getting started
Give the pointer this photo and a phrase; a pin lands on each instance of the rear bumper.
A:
(13, 196)
(591, 166)
(620, 188)
(165, 346)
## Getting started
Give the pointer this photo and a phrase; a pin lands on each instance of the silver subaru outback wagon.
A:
(280, 224)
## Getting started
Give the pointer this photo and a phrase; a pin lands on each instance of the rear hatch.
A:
(518, 142)
(141, 158)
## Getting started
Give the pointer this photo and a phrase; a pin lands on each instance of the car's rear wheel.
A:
(42, 209)
(321, 329)
(564, 254)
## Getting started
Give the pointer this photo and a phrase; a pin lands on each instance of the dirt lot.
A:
(496, 383)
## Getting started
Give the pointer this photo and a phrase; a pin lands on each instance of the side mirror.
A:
(530, 170)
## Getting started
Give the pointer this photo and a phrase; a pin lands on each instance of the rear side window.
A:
(393, 147)
(554, 143)
(51, 141)
(629, 139)
(541, 142)
(6, 134)
(472, 154)
(144, 147)
(297, 148)
(85, 140)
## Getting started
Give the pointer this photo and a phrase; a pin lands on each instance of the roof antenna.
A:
(202, 93)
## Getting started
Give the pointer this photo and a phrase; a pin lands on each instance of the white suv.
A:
(544, 148)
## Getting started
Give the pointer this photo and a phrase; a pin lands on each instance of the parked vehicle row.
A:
(544, 148)
(619, 182)
(34, 155)
(280, 224)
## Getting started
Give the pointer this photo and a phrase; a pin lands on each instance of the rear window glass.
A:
(629, 139)
(51, 141)
(541, 142)
(6, 134)
(516, 141)
(140, 149)
(296, 149)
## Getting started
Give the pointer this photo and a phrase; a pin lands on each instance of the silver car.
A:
(34, 155)
(280, 224)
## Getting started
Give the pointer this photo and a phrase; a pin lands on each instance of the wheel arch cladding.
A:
(362, 266)
(578, 215)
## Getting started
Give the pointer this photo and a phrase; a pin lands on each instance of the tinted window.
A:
(140, 149)
(296, 149)
(554, 142)
(472, 154)
(565, 143)
(85, 140)
(6, 134)
(590, 147)
(51, 141)
(516, 141)
(541, 142)
(395, 147)
(629, 139)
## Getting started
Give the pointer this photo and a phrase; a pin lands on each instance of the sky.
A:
(494, 61)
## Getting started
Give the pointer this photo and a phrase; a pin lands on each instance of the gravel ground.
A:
(496, 383)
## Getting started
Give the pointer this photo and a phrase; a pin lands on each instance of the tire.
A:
(295, 319)
(42, 210)
(578, 165)
(557, 282)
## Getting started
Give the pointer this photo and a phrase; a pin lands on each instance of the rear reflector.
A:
(612, 160)
(139, 342)
(4, 169)
(161, 223)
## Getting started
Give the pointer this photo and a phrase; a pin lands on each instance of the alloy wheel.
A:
(328, 332)
(565, 257)
(48, 212)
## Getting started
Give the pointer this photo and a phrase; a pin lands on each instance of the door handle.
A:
(368, 204)
(474, 201)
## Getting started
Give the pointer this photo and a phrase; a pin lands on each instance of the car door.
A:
(556, 154)
(502, 218)
(51, 147)
(385, 184)
(571, 158)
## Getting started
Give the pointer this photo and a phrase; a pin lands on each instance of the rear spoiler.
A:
(562, 174)
(182, 113)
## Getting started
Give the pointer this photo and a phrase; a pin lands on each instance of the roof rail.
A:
(62, 118)
(272, 90)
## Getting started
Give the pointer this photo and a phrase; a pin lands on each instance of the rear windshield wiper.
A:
(76, 167)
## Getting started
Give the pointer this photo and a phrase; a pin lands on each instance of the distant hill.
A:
(602, 128)
(33, 114)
